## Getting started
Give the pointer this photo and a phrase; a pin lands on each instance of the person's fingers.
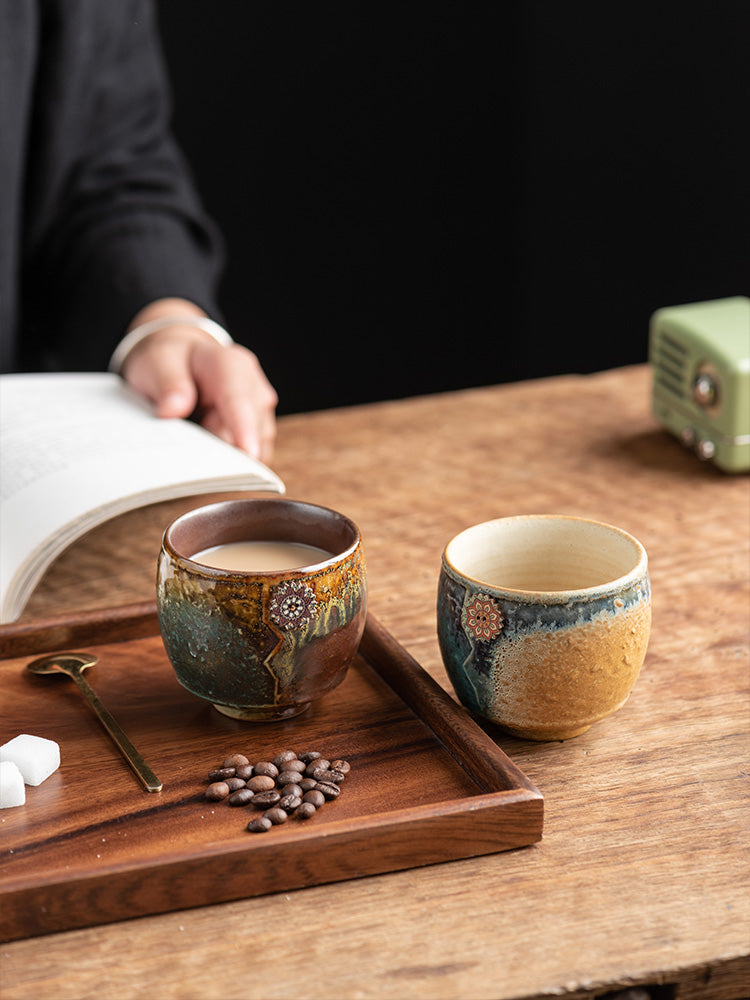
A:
(160, 369)
(212, 422)
(238, 401)
(175, 400)
(248, 424)
(181, 368)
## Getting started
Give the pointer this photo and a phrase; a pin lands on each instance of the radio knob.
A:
(687, 436)
(705, 389)
(705, 449)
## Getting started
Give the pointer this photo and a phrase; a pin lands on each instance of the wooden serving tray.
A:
(90, 846)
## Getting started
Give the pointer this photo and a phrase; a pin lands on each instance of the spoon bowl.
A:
(65, 663)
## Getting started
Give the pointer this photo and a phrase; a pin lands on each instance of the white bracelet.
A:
(139, 333)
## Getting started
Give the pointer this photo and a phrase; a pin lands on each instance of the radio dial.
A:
(706, 389)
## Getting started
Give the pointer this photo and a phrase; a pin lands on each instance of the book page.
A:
(76, 449)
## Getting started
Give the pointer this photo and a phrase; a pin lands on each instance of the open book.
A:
(78, 449)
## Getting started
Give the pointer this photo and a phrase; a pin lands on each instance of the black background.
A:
(425, 197)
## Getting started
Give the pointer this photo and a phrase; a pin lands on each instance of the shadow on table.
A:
(656, 449)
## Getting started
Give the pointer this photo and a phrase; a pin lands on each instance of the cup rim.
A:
(301, 505)
(635, 574)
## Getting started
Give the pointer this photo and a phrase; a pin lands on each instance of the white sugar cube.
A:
(35, 757)
(12, 788)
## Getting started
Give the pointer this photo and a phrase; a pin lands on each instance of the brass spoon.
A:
(73, 664)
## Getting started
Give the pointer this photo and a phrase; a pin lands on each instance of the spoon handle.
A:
(146, 776)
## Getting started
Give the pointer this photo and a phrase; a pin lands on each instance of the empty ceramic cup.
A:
(261, 603)
(543, 621)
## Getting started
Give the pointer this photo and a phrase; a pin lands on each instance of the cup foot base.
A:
(261, 714)
(544, 736)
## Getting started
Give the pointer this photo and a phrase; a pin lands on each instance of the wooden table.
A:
(642, 873)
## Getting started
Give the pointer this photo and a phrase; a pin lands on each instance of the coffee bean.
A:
(261, 783)
(259, 825)
(288, 784)
(266, 767)
(294, 765)
(235, 760)
(277, 816)
(217, 791)
(287, 778)
(221, 774)
(293, 790)
(264, 800)
(242, 797)
(330, 791)
(330, 777)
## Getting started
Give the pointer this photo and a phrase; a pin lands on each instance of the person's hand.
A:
(181, 369)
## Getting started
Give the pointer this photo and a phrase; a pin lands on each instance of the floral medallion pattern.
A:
(481, 618)
(293, 604)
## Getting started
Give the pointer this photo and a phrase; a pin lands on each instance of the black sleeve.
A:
(113, 221)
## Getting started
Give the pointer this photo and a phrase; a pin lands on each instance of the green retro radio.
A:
(700, 358)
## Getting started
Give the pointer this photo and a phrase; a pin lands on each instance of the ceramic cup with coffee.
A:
(261, 603)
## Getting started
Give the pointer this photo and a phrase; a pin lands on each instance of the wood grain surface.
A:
(642, 874)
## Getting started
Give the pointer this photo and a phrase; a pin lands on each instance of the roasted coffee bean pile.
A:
(289, 784)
